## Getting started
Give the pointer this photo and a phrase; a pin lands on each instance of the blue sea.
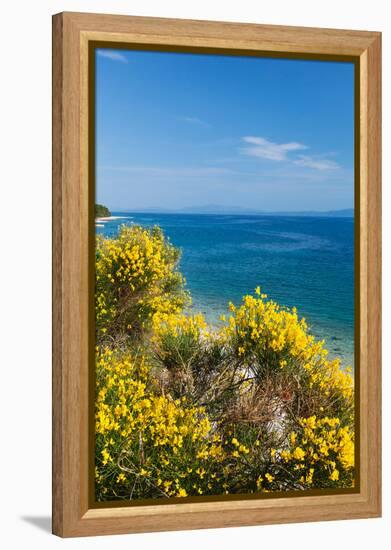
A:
(307, 262)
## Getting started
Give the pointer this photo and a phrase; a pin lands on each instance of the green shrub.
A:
(102, 211)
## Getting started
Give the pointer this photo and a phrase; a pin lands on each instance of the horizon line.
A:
(187, 208)
(189, 211)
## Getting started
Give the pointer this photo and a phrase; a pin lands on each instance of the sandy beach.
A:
(109, 218)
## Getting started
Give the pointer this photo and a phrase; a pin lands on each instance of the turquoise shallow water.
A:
(307, 262)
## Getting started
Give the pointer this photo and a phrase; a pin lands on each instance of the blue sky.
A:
(184, 130)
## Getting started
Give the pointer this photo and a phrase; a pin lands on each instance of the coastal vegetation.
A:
(102, 211)
(253, 405)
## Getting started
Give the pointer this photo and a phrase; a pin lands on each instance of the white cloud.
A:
(263, 148)
(317, 163)
(113, 55)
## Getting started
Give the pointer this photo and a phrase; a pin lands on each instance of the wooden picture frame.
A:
(73, 33)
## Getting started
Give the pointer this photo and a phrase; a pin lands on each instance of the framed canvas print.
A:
(216, 233)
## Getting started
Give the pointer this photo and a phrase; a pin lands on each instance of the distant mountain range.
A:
(232, 210)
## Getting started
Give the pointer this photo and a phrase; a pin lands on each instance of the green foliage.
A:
(101, 211)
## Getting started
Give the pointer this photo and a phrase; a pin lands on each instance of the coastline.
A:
(269, 251)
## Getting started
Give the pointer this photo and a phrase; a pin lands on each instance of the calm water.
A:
(305, 262)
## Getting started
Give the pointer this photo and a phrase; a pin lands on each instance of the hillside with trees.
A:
(102, 211)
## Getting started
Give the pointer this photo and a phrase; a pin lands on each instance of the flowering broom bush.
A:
(271, 342)
(185, 409)
(150, 445)
(136, 277)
